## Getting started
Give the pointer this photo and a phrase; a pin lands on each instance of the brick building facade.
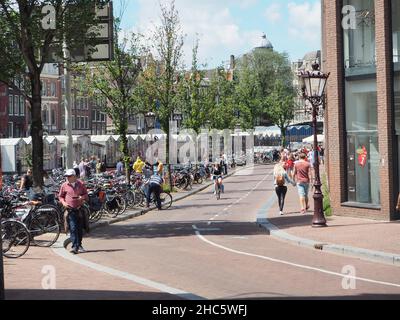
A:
(360, 50)
(13, 121)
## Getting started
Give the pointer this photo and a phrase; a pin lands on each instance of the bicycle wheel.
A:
(95, 216)
(121, 205)
(44, 229)
(140, 198)
(166, 200)
(218, 192)
(15, 239)
(130, 199)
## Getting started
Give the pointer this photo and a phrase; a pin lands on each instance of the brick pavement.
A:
(356, 232)
(27, 277)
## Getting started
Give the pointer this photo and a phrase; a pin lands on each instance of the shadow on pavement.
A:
(103, 251)
(26, 294)
(69, 295)
(176, 229)
(355, 297)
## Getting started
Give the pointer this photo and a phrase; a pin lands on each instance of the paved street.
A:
(202, 249)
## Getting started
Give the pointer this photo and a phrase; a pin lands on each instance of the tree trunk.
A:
(168, 160)
(283, 134)
(125, 151)
(37, 132)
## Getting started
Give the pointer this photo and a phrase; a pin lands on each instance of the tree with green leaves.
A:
(26, 37)
(257, 73)
(118, 82)
(192, 96)
(280, 107)
(160, 77)
(192, 99)
(222, 100)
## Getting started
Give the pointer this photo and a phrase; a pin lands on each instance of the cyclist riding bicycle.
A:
(217, 177)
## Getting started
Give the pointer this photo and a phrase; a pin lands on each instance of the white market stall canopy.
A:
(268, 131)
(11, 151)
(321, 139)
(101, 139)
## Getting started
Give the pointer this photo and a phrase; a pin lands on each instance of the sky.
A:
(233, 27)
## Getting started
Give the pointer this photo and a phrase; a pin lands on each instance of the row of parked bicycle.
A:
(39, 220)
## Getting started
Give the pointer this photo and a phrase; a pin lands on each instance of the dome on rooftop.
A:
(265, 43)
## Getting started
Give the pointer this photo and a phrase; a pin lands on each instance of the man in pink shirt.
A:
(73, 194)
(302, 175)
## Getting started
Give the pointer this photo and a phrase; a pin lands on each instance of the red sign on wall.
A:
(362, 156)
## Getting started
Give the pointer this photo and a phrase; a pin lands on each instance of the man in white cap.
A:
(73, 194)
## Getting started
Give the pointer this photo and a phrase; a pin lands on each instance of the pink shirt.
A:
(70, 195)
(302, 171)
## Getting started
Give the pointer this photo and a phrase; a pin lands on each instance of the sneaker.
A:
(303, 211)
(81, 250)
(74, 251)
(281, 213)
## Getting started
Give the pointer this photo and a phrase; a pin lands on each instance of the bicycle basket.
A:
(102, 196)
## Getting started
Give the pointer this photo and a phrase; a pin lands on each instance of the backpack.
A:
(280, 181)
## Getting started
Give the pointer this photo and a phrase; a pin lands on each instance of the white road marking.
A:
(127, 276)
(205, 229)
(340, 275)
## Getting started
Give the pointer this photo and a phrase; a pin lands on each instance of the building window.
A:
(10, 130)
(11, 105)
(53, 89)
(396, 69)
(16, 105)
(44, 116)
(359, 43)
(53, 117)
(363, 158)
(21, 106)
(44, 88)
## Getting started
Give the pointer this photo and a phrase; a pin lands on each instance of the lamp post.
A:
(150, 120)
(1, 246)
(313, 84)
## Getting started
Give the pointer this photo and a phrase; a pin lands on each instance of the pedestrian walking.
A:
(73, 194)
(289, 165)
(225, 161)
(82, 169)
(120, 168)
(280, 179)
(322, 155)
(302, 174)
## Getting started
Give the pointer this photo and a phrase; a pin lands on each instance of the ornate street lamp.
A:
(313, 84)
(150, 120)
(1, 245)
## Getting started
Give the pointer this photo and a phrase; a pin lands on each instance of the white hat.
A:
(70, 173)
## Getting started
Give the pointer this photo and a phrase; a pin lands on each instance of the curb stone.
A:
(354, 252)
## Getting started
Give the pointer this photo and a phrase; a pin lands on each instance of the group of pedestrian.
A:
(296, 169)
(223, 162)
